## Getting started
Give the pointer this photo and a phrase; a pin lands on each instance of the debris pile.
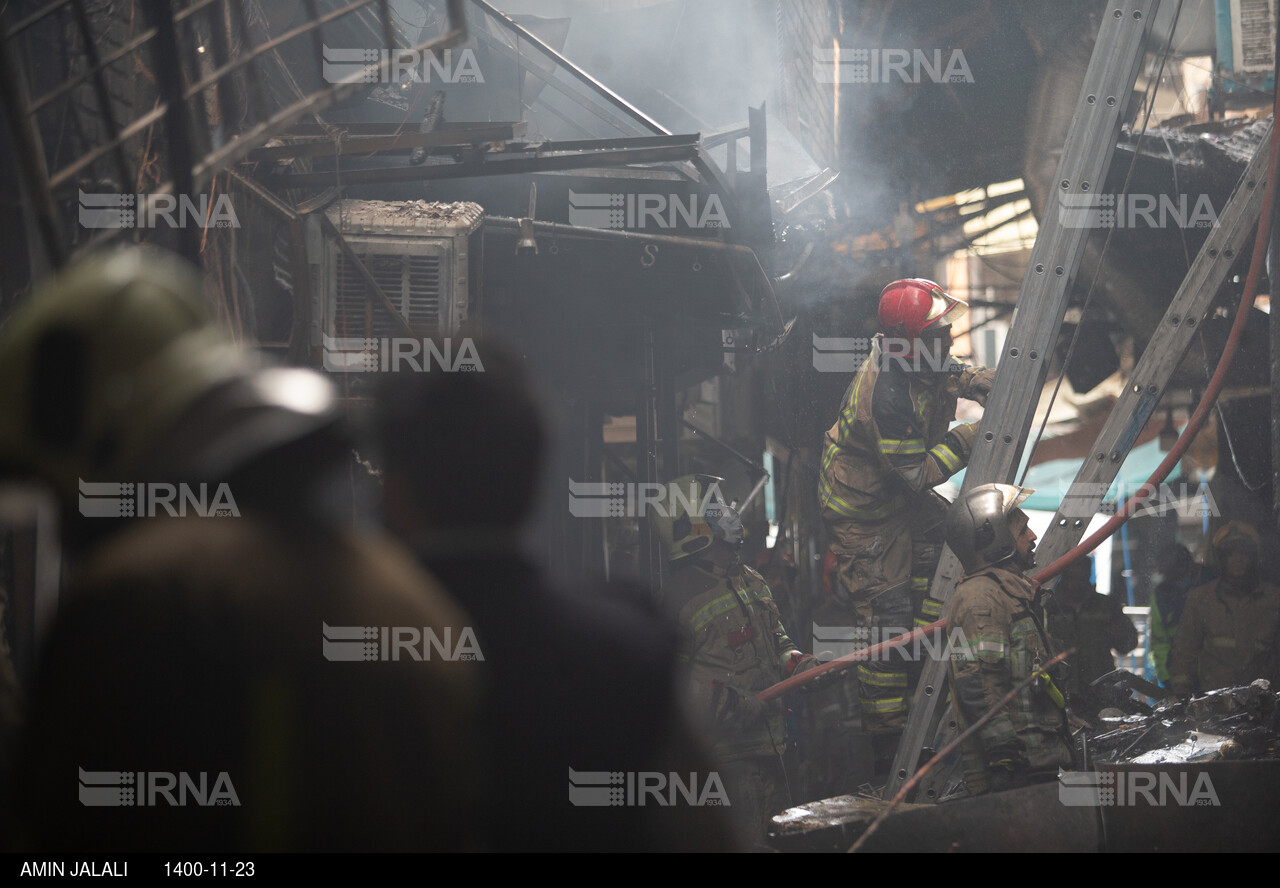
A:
(423, 209)
(1240, 723)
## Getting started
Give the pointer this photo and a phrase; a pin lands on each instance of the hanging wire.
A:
(1226, 432)
(1173, 166)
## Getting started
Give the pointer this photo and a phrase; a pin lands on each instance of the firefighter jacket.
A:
(733, 645)
(891, 439)
(997, 642)
(1227, 636)
(1095, 625)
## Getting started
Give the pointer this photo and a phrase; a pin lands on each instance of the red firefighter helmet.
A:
(911, 306)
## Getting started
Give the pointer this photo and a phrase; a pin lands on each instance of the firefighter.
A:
(891, 444)
(998, 642)
(186, 653)
(1229, 633)
(732, 644)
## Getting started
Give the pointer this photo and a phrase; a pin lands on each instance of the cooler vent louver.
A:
(419, 254)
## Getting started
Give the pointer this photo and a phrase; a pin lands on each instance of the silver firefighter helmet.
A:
(977, 525)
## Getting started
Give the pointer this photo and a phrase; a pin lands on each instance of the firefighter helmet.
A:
(911, 306)
(977, 525)
(695, 516)
(107, 360)
(1236, 534)
(726, 523)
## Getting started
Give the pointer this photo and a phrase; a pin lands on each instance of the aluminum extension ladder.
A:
(1042, 301)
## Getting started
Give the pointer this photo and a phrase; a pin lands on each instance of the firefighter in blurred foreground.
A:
(733, 645)
(184, 669)
(1079, 616)
(998, 641)
(891, 444)
(1229, 633)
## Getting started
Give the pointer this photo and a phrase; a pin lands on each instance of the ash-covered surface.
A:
(423, 209)
(396, 217)
(1239, 144)
(840, 819)
(1241, 723)
(1219, 156)
(1223, 729)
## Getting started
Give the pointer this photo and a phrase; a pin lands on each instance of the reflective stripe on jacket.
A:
(888, 441)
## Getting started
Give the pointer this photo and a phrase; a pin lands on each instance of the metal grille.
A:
(422, 291)
(412, 283)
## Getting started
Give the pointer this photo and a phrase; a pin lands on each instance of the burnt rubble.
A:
(1239, 723)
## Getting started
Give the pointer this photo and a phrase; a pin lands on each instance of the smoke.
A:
(691, 66)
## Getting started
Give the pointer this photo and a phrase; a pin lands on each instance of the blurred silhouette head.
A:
(1174, 562)
(462, 450)
(1075, 585)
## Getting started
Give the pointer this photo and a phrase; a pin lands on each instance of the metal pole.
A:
(169, 66)
(647, 454)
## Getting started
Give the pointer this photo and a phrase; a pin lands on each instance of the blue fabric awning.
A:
(1051, 480)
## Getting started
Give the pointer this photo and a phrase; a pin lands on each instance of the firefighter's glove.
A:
(978, 385)
(798, 663)
(960, 440)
